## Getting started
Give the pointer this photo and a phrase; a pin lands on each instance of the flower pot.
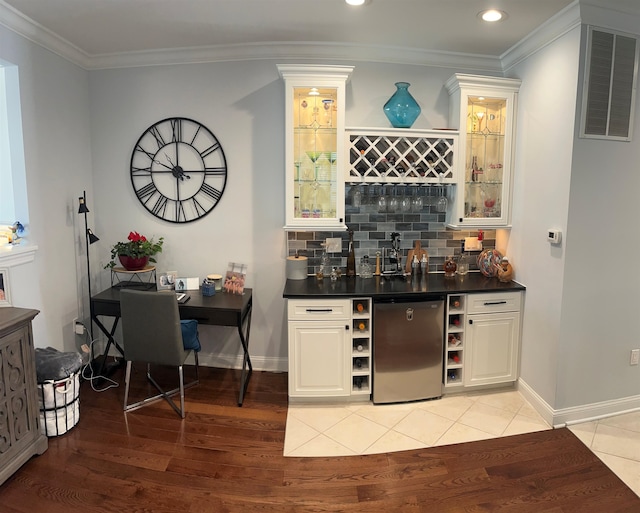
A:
(133, 264)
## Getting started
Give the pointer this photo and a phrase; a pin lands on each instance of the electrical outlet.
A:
(635, 357)
(78, 327)
(334, 245)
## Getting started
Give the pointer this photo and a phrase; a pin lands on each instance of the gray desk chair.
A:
(153, 334)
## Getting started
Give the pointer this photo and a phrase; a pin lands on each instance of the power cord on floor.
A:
(89, 365)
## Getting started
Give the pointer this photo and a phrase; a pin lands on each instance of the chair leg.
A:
(126, 384)
(162, 395)
(181, 375)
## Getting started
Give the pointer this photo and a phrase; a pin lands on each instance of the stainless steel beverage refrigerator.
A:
(408, 347)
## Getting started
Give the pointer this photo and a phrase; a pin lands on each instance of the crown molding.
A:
(554, 28)
(297, 51)
(40, 35)
(19, 23)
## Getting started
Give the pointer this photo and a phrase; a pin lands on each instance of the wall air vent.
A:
(610, 85)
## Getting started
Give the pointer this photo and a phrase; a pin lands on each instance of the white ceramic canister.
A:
(297, 267)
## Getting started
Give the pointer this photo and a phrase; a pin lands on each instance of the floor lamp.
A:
(90, 238)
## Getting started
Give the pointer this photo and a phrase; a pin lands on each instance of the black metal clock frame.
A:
(178, 170)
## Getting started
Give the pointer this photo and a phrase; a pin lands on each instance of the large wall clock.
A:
(178, 170)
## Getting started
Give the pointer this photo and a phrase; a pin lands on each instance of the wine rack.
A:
(406, 156)
(454, 343)
(361, 347)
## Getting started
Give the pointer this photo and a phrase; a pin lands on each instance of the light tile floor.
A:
(616, 441)
(364, 428)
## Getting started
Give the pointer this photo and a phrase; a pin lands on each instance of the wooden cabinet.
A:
(483, 110)
(492, 338)
(314, 146)
(20, 436)
(319, 348)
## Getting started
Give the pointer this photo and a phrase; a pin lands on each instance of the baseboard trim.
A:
(234, 361)
(576, 414)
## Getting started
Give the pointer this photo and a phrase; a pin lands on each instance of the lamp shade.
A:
(92, 238)
(82, 208)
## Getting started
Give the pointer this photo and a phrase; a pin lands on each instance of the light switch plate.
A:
(334, 245)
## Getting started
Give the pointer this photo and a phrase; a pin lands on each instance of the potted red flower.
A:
(136, 253)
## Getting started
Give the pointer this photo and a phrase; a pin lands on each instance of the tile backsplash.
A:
(372, 229)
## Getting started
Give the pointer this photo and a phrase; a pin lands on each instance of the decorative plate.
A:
(488, 261)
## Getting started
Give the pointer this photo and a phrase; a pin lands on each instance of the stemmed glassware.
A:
(405, 204)
(417, 202)
(394, 203)
(382, 200)
(441, 203)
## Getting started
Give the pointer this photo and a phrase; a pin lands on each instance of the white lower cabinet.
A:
(318, 357)
(492, 338)
(319, 348)
(330, 344)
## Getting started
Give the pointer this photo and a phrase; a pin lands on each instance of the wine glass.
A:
(382, 201)
(356, 200)
(394, 203)
(405, 204)
(417, 202)
(441, 203)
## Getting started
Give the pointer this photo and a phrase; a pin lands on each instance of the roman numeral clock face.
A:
(178, 170)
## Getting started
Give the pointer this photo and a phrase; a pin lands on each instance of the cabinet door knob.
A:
(470, 321)
(346, 327)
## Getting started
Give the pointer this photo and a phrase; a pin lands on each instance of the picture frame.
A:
(5, 294)
(167, 280)
(235, 277)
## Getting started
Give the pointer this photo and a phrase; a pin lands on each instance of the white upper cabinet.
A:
(483, 110)
(314, 146)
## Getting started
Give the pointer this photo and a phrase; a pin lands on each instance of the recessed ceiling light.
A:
(355, 2)
(492, 15)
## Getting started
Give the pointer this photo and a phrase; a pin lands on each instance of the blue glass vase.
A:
(402, 109)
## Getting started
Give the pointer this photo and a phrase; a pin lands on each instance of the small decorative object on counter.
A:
(325, 264)
(415, 265)
(488, 262)
(351, 258)
(377, 263)
(505, 270)
(463, 262)
(297, 267)
(417, 252)
(334, 274)
(450, 267)
(365, 267)
(424, 264)
(402, 109)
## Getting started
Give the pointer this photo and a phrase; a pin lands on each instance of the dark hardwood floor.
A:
(223, 458)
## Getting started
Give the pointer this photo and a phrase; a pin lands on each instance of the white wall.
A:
(547, 103)
(55, 121)
(601, 303)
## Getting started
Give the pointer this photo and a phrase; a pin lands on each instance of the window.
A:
(13, 184)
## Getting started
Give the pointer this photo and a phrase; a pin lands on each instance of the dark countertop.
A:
(395, 287)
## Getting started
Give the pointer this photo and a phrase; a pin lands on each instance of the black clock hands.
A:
(176, 169)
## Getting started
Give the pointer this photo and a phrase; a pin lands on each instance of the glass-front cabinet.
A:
(314, 146)
(483, 109)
